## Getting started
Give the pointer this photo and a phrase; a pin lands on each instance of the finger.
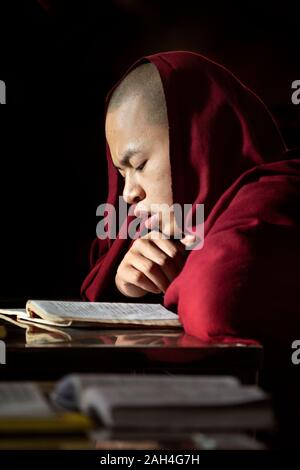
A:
(150, 250)
(150, 269)
(181, 256)
(138, 279)
(170, 247)
(163, 225)
(174, 250)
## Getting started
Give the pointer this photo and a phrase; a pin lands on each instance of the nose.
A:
(132, 192)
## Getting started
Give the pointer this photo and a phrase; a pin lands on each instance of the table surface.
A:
(35, 354)
(45, 356)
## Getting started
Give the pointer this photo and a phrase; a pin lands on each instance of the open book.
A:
(25, 409)
(166, 402)
(66, 313)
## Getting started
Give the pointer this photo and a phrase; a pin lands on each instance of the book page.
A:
(157, 403)
(22, 399)
(194, 393)
(69, 389)
(109, 312)
(13, 315)
(14, 311)
(13, 319)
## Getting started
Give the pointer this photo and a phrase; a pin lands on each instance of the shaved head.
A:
(143, 82)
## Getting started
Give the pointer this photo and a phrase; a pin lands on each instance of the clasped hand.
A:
(151, 263)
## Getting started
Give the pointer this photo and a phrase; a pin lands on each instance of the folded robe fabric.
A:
(227, 153)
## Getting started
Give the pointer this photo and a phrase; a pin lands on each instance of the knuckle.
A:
(120, 270)
(137, 243)
(133, 249)
(126, 258)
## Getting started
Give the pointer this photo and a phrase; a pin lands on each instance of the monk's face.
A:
(140, 152)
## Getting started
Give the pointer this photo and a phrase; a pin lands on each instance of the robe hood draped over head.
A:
(227, 153)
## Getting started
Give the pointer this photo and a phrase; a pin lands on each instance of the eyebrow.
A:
(127, 156)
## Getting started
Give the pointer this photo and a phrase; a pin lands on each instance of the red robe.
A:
(227, 153)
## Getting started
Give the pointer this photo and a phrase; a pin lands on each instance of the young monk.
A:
(181, 129)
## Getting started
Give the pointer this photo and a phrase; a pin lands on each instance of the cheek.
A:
(161, 169)
(158, 184)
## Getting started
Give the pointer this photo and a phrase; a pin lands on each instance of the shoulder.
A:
(272, 196)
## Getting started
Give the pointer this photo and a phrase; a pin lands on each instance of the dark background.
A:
(59, 59)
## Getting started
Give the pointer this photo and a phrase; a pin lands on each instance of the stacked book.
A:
(157, 402)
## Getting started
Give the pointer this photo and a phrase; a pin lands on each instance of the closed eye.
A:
(139, 168)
